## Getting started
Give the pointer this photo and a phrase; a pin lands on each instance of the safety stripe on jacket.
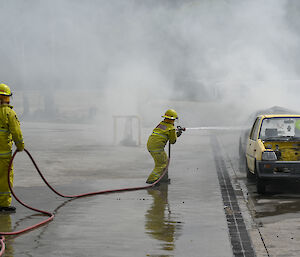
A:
(160, 135)
(4, 193)
(4, 130)
(6, 153)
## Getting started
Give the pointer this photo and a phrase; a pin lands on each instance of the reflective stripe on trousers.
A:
(5, 155)
(20, 141)
(156, 151)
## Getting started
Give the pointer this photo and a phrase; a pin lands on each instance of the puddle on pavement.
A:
(160, 222)
(277, 207)
(282, 198)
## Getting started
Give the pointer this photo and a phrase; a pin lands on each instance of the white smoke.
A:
(140, 56)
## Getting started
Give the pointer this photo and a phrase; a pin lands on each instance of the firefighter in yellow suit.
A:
(164, 132)
(9, 131)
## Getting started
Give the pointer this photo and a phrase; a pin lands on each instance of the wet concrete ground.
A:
(185, 218)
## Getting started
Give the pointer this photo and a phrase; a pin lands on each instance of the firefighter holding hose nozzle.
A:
(165, 131)
(9, 131)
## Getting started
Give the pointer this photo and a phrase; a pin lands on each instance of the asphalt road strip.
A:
(239, 237)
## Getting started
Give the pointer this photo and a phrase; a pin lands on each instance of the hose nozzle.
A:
(179, 130)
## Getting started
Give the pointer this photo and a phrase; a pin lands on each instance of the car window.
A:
(280, 128)
(254, 130)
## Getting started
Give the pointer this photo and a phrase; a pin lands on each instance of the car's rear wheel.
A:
(249, 174)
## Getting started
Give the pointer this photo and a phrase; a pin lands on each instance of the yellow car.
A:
(273, 149)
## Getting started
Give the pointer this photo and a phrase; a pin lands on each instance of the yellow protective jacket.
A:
(163, 133)
(9, 131)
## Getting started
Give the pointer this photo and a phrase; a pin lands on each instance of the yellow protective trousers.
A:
(5, 195)
(161, 163)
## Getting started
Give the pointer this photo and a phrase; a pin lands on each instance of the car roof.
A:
(270, 111)
(280, 116)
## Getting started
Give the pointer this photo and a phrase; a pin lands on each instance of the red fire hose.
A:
(51, 215)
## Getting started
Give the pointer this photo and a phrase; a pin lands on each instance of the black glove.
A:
(178, 133)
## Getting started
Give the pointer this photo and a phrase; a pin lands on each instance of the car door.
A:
(252, 145)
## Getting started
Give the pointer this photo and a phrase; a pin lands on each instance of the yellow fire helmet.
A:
(5, 90)
(171, 114)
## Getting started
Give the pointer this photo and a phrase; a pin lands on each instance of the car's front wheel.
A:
(260, 185)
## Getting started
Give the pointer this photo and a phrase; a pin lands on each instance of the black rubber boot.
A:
(8, 209)
(166, 179)
(150, 182)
